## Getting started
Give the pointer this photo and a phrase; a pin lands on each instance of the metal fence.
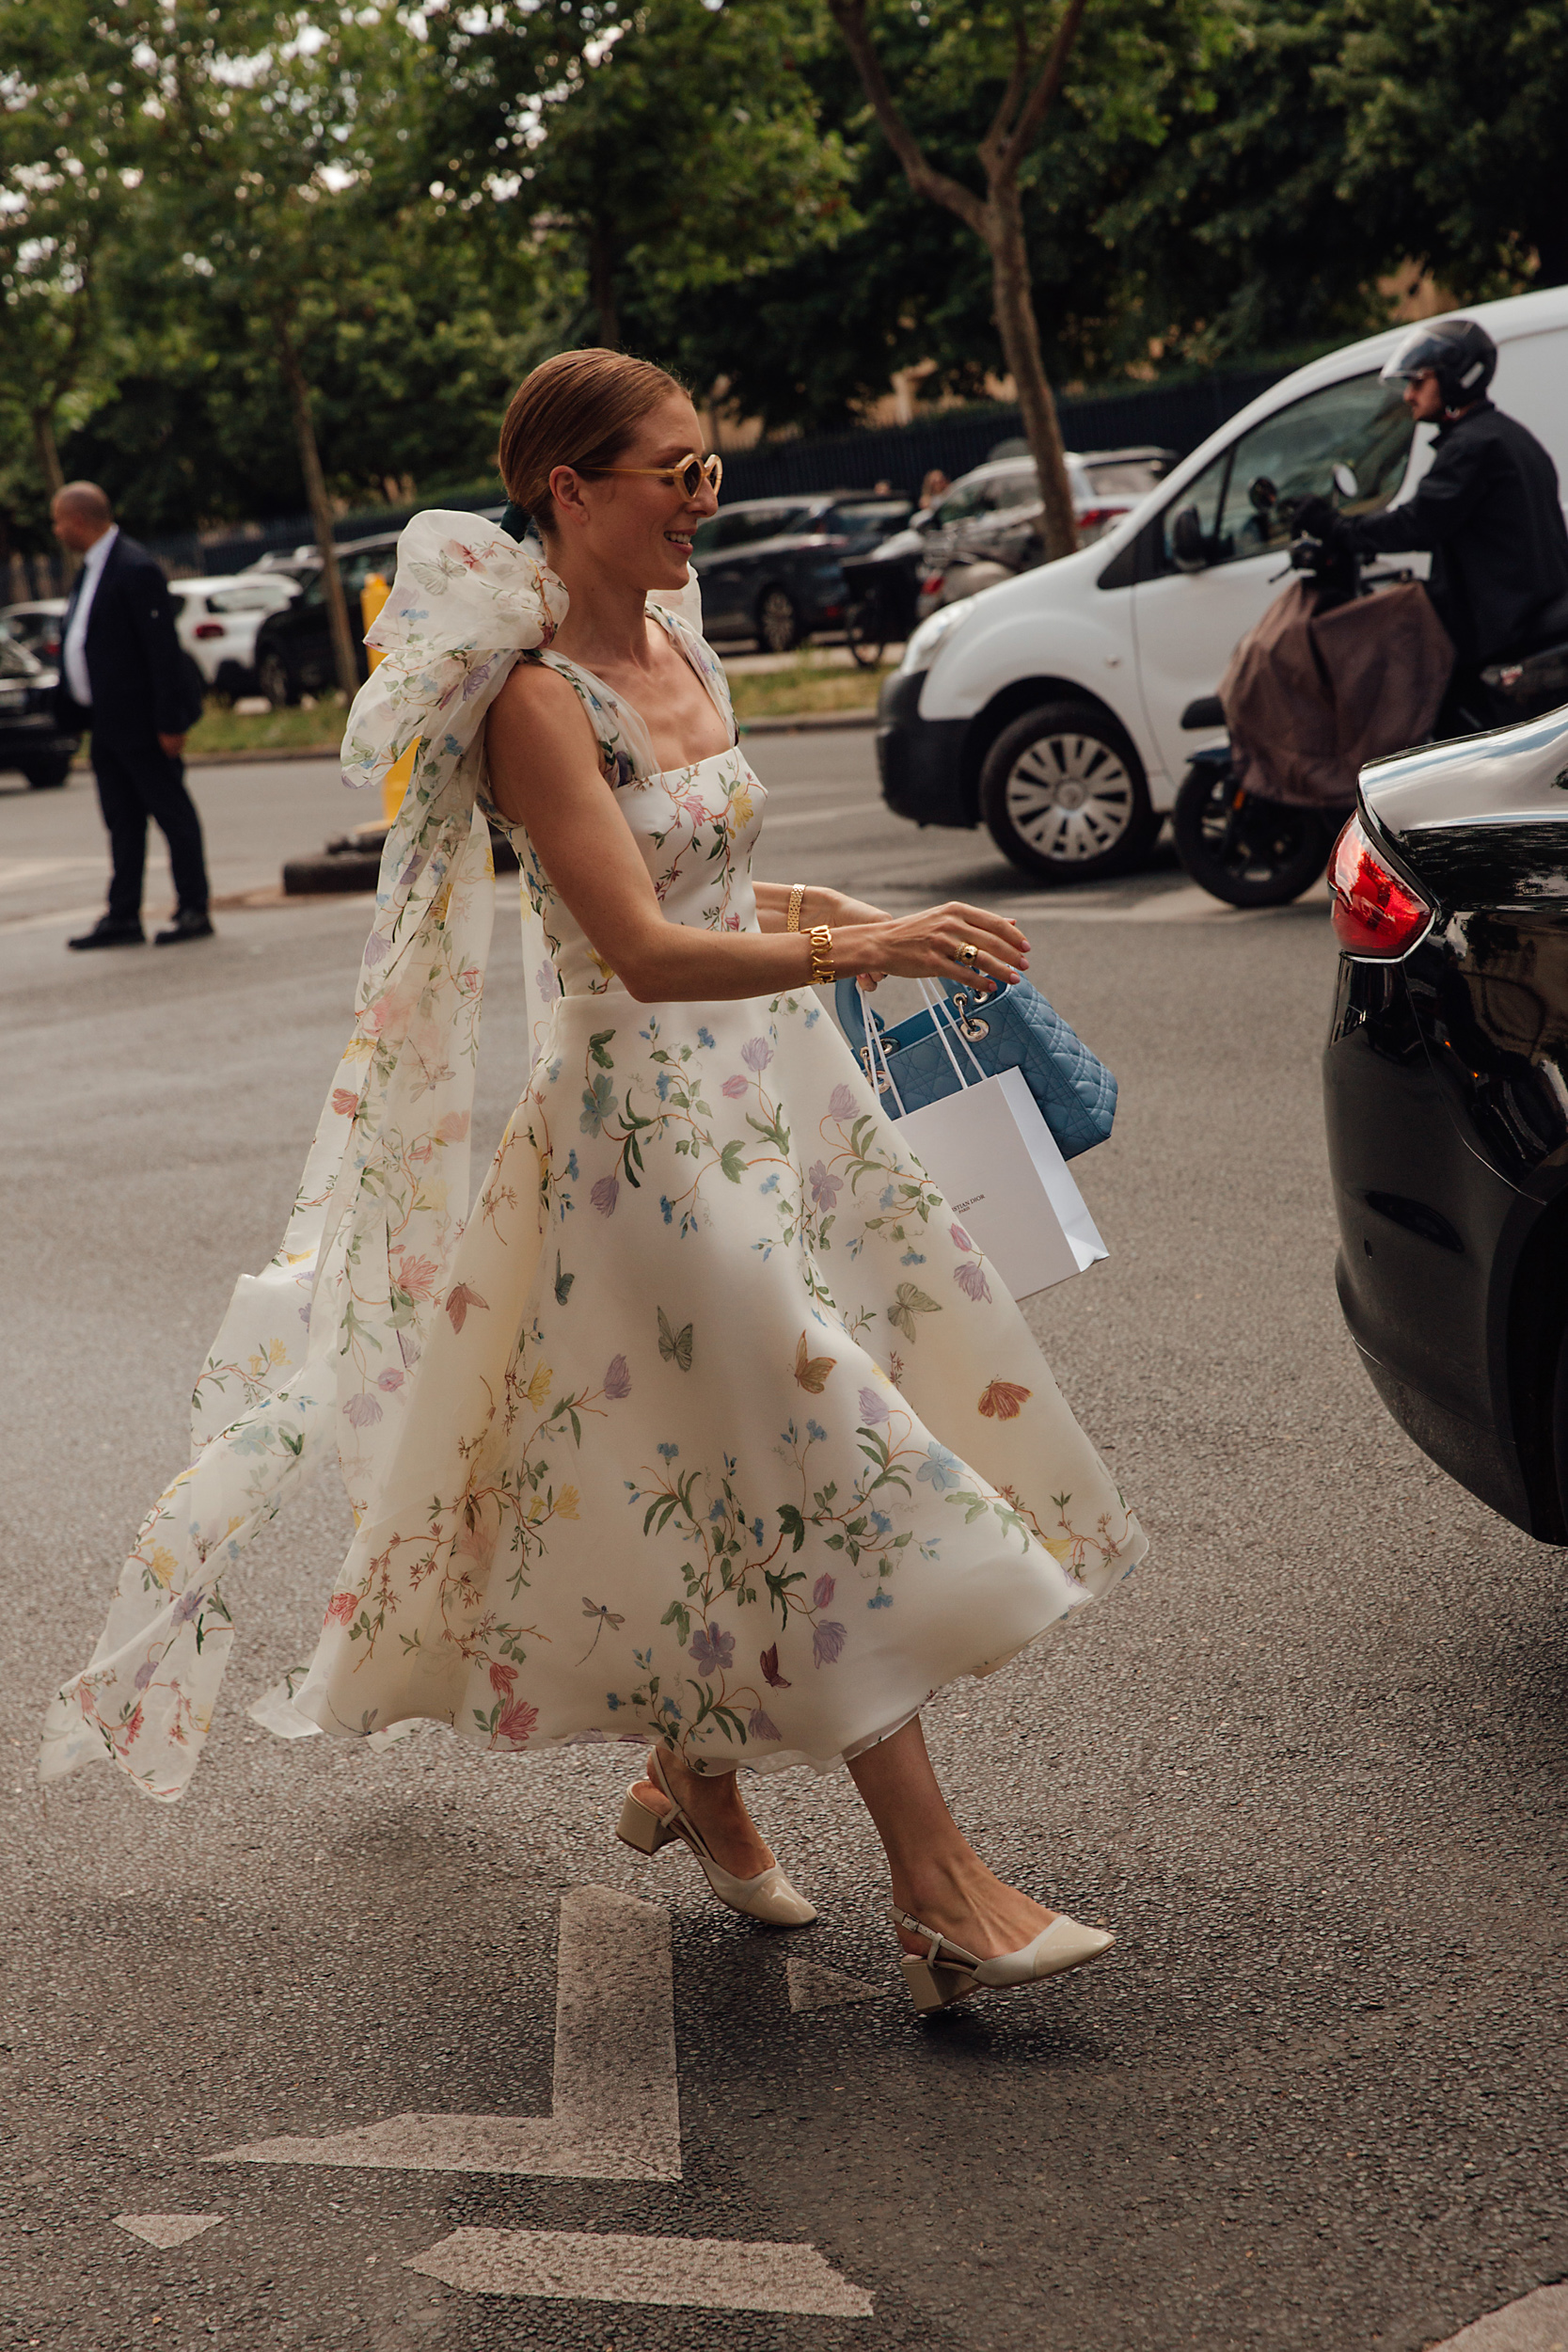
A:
(1177, 417)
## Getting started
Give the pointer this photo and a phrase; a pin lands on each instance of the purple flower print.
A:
(841, 1102)
(735, 1087)
(713, 1650)
(189, 1604)
(822, 1592)
(605, 1194)
(972, 1280)
(756, 1054)
(827, 1641)
(144, 1672)
(363, 1410)
(873, 1411)
(961, 1237)
(390, 1378)
(376, 949)
(825, 1187)
(617, 1380)
(547, 981)
(761, 1724)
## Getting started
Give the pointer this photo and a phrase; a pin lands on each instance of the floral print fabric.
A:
(711, 1426)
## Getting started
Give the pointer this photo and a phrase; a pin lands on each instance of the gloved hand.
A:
(1319, 518)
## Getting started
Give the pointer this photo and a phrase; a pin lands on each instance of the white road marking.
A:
(166, 2229)
(815, 1987)
(821, 817)
(20, 873)
(1538, 2323)
(616, 2114)
(699, 2273)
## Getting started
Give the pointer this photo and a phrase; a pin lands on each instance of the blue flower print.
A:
(669, 1212)
(882, 1524)
(717, 1510)
(612, 1701)
(598, 1103)
(771, 1184)
(706, 1037)
(757, 1530)
(886, 1197)
(942, 1469)
(814, 1429)
(911, 1257)
(661, 1085)
(670, 1452)
(881, 1599)
(671, 1709)
(712, 1648)
(572, 1163)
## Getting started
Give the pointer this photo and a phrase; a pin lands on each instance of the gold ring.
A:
(967, 954)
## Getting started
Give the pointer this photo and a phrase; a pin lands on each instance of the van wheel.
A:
(48, 774)
(1063, 796)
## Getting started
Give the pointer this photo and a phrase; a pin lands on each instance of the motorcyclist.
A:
(1488, 508)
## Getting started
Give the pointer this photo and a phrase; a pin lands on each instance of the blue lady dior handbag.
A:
(1015, 1029)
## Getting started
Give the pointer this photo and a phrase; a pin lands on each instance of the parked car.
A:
(992, 516)
(1049, 708)
(769, 567)
(294, 645)
(31, 741)
(1446, 1091)
(217, 622)
(36, 627)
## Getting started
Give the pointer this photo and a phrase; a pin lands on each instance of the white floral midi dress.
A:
(727, 1435)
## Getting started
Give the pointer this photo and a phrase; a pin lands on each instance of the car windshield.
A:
(1124, 477)
(252, 597)
(1361, 422)
(970, 497)
(870, 522)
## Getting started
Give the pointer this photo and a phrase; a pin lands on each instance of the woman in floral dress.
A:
(711, 1428)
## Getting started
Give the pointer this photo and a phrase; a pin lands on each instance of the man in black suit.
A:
(124, 676)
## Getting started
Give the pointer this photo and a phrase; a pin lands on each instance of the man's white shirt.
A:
(75, 651)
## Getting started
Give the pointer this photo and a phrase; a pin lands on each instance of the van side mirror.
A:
(1188, 544)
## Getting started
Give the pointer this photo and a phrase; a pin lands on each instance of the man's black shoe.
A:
(186, 925)
(108, 932)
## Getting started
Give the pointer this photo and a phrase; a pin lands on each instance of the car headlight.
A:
(921, 650)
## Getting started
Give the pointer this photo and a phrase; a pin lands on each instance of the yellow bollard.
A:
(395, 783)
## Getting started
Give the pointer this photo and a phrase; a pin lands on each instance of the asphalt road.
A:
(1310, 1763)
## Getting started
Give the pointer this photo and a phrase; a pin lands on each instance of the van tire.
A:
(1063, 795)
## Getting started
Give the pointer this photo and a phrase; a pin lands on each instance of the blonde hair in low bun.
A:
(576, 409)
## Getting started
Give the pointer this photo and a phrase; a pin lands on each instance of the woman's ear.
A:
(565, 487)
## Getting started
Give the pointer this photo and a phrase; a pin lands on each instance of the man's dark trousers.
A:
(136, 779)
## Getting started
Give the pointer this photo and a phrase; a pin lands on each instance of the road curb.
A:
(805, 722)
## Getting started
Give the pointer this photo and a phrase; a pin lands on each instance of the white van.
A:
(1049, 708)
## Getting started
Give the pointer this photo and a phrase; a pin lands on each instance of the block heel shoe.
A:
(946, 1973)
(768, 1897)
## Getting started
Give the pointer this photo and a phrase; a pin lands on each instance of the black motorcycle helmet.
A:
(1460, 354)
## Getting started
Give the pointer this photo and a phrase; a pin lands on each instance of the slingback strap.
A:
(941, 1954)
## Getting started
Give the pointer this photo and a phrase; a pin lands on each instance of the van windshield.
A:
(1362, 423)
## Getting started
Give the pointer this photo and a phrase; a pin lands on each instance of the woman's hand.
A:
(925, 947)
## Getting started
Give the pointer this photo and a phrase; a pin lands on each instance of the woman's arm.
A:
(545, 775)
(819, 905)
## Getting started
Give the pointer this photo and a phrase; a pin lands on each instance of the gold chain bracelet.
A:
(797, 900)
(821, 954)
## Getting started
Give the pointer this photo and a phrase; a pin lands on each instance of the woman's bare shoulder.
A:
(537, 689)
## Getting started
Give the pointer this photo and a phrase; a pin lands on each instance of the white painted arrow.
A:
(616, 2112)
(591, 2267)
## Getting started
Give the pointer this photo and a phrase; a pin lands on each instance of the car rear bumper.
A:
(1433, 1244)
(32, 735)
(921, 761)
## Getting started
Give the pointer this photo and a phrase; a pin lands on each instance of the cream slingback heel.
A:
(948, 1972)
(768, 1897)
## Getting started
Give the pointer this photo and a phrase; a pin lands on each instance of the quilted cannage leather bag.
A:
(1015, 1029)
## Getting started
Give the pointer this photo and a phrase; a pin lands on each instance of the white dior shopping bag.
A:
(1000, 1171)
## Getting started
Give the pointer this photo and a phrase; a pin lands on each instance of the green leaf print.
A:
(732, 1160)
(562, 1283)
(596, 1047)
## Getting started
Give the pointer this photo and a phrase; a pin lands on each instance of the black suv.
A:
(293, 646)
(30, 737)
(770, 568)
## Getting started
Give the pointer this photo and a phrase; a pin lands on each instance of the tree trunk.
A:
(48, 451)
(1020, 345)
(601, 285)
(343, 635)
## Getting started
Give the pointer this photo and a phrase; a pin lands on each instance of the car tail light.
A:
(1095, 517)
(1376, 913)
(207, 629)
(931, 587)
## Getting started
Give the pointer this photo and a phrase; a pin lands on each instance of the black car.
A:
(293, 646)
(1446, 1079)
(770, 568)
(30, 737)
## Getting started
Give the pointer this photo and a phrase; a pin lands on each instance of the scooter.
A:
(1250, 851)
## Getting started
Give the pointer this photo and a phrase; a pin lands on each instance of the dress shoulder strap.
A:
(625, 747)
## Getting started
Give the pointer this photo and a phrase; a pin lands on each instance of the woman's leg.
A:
(937, 1875)
(714, 1802)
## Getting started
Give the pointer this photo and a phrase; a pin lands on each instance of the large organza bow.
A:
(314, 1352)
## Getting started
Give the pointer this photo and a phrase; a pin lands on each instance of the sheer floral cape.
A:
(313, 1352)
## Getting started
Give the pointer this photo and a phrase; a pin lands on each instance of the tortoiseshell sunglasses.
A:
(689, 471)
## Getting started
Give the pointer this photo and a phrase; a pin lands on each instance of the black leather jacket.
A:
(1489, 510)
